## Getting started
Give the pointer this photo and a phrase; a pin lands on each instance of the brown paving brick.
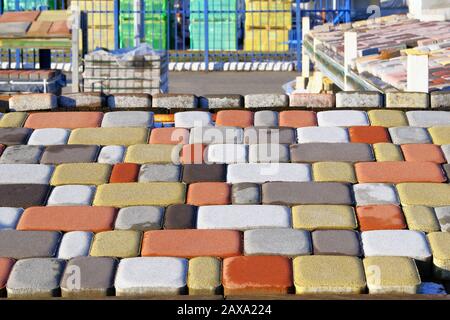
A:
(324, 152)
(370, 135)
(124, 172)
(297, 119)
(257, 275)
(235, 118)
(59, 28)
(23, 195)
(192, 243)
(70, 154)
(65, 120)
(193, 153)
(398, 172)
(22, 16)
(6, 265)
(208, 193)
(39, 28)
(180, 216)
(423, 152)
(382, 217)
(28, 244)
(78, 218)
(169, 136)
(204, 173)
(14, 136)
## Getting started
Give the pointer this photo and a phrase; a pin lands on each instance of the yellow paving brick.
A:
(388, 118)
(316, 217)
(204, 276)
(440, 247)
(424, 194)
(334, 172)
(109, 136)
(387, 152)
(81, 173)
(421, 218)
(152, 153)
(140, 194)
(13, 120)
(117, 243)
(440, 135)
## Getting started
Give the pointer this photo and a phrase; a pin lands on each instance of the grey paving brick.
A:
(266, 118)
(246, 193)
(14, 136)
(409, 135)
(159, 173)
(82, 100)
(221, 101)
(407, 100)
(23, 154)
(357, 99)
(440, 99)
(141, 218)
(340, 152)
(129, 101)
(175, 101)
(33, 102)
(128, 119)
(266, 101)
(28, 244)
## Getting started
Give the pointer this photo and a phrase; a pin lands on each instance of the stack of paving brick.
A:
(33, 80)
(108, 73)
(240, 202)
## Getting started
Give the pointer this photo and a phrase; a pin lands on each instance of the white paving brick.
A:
(111, 154)
(375, 193)
(151, 276)
(216, 135)
(25, 173)
(227, 153)
(9, 217)
(140, 218)
(409, 135)
(49, 137)
(128, 119)
(261, 173)
(446, 151)
(75, 244)
(191, 119)
(243, 217)
(428, 119)
(71, 195)
(443, 216)
(403, 243)
(322, 134)
(342, 118)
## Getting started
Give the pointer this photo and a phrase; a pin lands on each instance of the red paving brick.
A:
(193, 154)
(169, 136)
(59, 28)
(208, 193)
(124, 172)
(297, 119)
(370, 135)
(382, 217)
(423, 152)
(257, 275)
(6, 265)
(22, 16)
(235, 118)
(66, 120)
(77, 218)
(192, 243)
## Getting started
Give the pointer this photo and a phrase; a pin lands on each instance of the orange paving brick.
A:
(190, 243)
(298, 119)
(77, 218)
(124, 172)
(381, 217)
(235, 118)
(169, 136)
(370, 135)
(257, 275)
(208, 193)
(59, 28)
(66, 120)
(423, 152)
(164, 118)
(22, 16)
(39, 28)
(6, 265)
(193, 154)
(398, 172)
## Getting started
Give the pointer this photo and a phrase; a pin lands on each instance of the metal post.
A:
(116, 24)
(348, 13)
(75, 50)
(17, 8)
(299, 27)
(137, 22)
(205, 4)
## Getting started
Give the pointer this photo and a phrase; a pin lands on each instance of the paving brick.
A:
(97, 280)
(124, 172)
(397, 172)
(260, 173)
(446, 168)
(13, 120)
(443, 216)
(81, 173)
(370, 135)
(69, 154)
(140, 194)
(14, 29)
(59, 28)
(21, 154)
(243, 217)
(357, 99)
(152, 154)
(159, 173)
(267, 135)
(407, 100)
(117, 243)
(193, 154)
(14, 136)
(22, 16)
(322, 134)
(109, 136)
(65, 120)
(48, 137)
(192, 119)
(336, 242)
(381, 217)
(268, 153)
(226, 153)
(204, 173)
(266, 101)
(175, 101)
(328, 274)
(266, 118)
(428, 119)
(23, 195)
(375, 194)
(235, 118)
(180, 216)
(257, 275)
(75, 244)
(387, 152)
(388, 118)
(33, 102)
(204, 276)
(298, 119)
(82, 100)
(129, 101)
(9, 217)
(192, 243)
(169, 136)
(421, 218)
(426, 194)
(25, 173)
(139, 218)
(342, 118)
(111, 154)
(33, 244)
(334, 152)
(216, 135)
(35, 278)
(278, 242)
(423, 153)
(294, 193)
(440, 135)
(391, 275)
(318, 217)
(221, 101)
(208, 193)
(151, 276)
(334, 172)
(71, 195)
(246, 193)
(5, 269)
(439, 243)
(402, 243)
(440, 99)
(310, 100)
(446, 152)
(127, 119)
